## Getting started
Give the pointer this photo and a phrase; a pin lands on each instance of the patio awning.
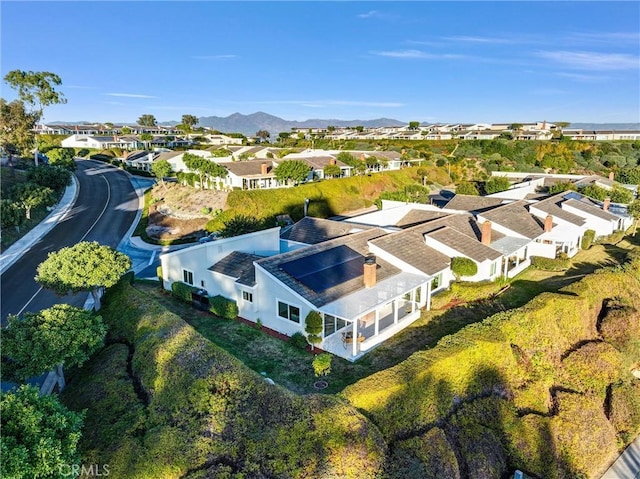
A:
(509, 244)
(365, 300)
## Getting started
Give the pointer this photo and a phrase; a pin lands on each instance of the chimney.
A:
(332, 161)
(548, 223)
(606, 204)
(363, 157)
(611, 175)
(485, 235)
(264, 168)
(370, 271)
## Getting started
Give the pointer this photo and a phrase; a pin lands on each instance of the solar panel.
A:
(323, 270)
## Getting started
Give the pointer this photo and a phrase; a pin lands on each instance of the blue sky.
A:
(411, 61)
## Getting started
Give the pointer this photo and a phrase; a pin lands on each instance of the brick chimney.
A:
(606, 204)
(264, 168)
(548, 223)
(370, 271)
(611, 175)
(485, 233)
(332, 161)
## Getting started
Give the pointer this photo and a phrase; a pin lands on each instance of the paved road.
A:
(104, 210)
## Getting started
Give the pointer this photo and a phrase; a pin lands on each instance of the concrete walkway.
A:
(627, 466)
(20, 247)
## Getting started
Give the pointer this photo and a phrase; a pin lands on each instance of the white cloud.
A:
(616, 38)
(419, 54)
(214, 57)
(130, 95)
(581, 77)
(591, 60)
(370, 14)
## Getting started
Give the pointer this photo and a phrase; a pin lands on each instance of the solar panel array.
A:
(325, 269)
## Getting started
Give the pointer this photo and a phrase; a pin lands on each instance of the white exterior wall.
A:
(199, 258)
(601, 226)
(541, 249)
(519, 191)
(484, 267)
(268, 294)
(80, 141)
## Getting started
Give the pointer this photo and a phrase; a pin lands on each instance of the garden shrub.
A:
(223, 307)
(620, 325)
(612, 239)
(313, 327)
(591, 368)
(625, 409)
(322, 364)
(428, 455)
(463, 266)
(587, 239)
(550, 264)
(183, 291)
(298, 340)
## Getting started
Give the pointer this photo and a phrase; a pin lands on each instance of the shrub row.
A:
(223, 307)
(183, 291)
(550, 264)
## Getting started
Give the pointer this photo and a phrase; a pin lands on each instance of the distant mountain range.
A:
(249, 124)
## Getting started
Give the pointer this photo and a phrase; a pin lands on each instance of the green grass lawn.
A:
(292, 368)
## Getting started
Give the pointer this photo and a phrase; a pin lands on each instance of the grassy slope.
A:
(516, 390)
(207, 413)
(328, 197)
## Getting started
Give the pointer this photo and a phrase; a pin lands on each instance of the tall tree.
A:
(38, 90)
(146, 138)
(39, 435)
(86, 266)
(189, 121)
(292, 170)
(239, 225)
(125, 130)
(147, 120)
(262, 135)
(414, 125)
(160, 170)
(62, 335)
(16, 127)
(62, 157)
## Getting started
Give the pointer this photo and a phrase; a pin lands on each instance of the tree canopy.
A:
(16, 126)
(62, 334)
(161, 169)
(36, 88)
(39, 435)
(263, 135)
(86, 266)
(204, 167)
(496, 184)
(313, 327)
(147, 120)
(467, 188)
(189, 121)
(62, 157)
(239, 225)
(292, 170)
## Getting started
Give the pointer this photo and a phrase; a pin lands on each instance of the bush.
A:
(467, 188)
(322, 364)
(550, 264)
(613, 238)
(298, 340)
(313, 327)
(587, 239)
(52, 177)
(223, 307)
(183, 291)
(463, 266)
(496, 184)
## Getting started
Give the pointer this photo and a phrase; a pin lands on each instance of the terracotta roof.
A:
(238, 265)
(316, 230)
(357, 242)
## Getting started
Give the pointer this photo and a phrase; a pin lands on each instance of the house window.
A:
(287, 311)
(203, 284)
(329, 325)
(247, 296)
(493, 269)
(187, 276)
(436, 281)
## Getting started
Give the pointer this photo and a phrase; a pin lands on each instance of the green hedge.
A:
(587, 239)
(550, 264)
(463, 266)
(183, 291)
(223, 307)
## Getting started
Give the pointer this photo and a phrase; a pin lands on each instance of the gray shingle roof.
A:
(415, 217)
(409, 246)
(516, 217)
(552, 206)
(591, 209)
(238, 265)
(464, 244)
(473, 203)
(250, 168)
(316, 230)
(356, 242)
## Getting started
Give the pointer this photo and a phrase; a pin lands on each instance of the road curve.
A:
(104, 210)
